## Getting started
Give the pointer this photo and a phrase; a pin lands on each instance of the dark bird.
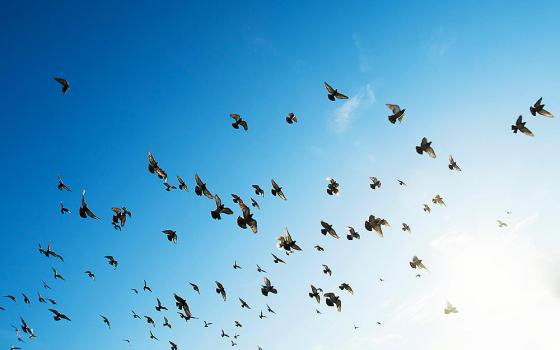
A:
(233, 343)
(48, 252)
(166, 322)
(286, 242)
(152, 336)
(200, 188)
(318, 312)
(319, 248)
(453, 164)
(327, 270)
(59, 316)
(406, 228)
(154, 168)
(51, 301)
(258, 190)
(127, 341)
(41, 298)
(220, 209)
(159, 306)
(182, 305)
(62, 186)
(195, 288)
(277, 259)
(26, 299)
(134, 290)
(224, 334)
(327, 228)
(398, 113)
(220, 290)
(112, 262)
(332, 300)
(346, 286)
(438, 200)
(352, 234)
(417, 264)
(426, 146)
(235, 266)
(261, 316)
(315, 294)
(11, 297)
(375, 224)
(168, 187)
(119, 216)
(182, 184)
(106, 321)
(269, 309)
(520, 126)
(135, 315)
(255, 204)
(244, 304)
(146, 288)
(90, 275)
(259, 269)
(538, 108)
(402, 183)
(238, 122)
(171, 235)
(84, 210)
(57, 276)
(236, 198)
(268, 288)
(427, 208)
(375, 183)
(64, 210)
(45, 285)
(291, 118)
(237, 324)
(277, 190)
(333, 94)
(206, 324)
(64, 83)
(502, 224)
(332, 187)
(450, 309)
(150, 320)
(173, 345)
(247, 219)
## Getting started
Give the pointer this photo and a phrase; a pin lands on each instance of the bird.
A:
(255, 204)
(402, 183)
(269, 309)
(246, 219)
(427, 208)
(398, 113)
(235, 266)
(171, 235)
(224, 334)
(319, 248)
(259, 269)
(453, 164)
(238, 122)
(277, 190)
(438, 200)
(49, 252)
(146, 288)
(286, 242)
(173, 345)
(332, 187)
(538, 108)
(426, 146)
(51, 301)
(450, 309)
(182, 184)
(237, 324)
(327, 228)
(134, 290)
(291, 118)
(201, 189)
(417, 264)
(220, 290)
(315, 294)
(261, 316)
(333, 94)
(135, 315)
(41, 298)
(277, 259)
(267, 287)
(233, 343)
(520, 126)
(352, 234)
(244, 304)
(375, 183)
(106, 321)
(327, 270)
(220, 209)
(64, 83)
(63, 209)
(127, 341)
(502, 224)
(154, 168)
(168, 187)
(236, 198)
(333, 300)
(206, 324)
(59, 316)
(26, 299)
(150, 320)
(90, 275)
(406, 228)
(57, 276)
(159, 306)
(258, 190)
(84, 210)
(182, 305)
(11, 297)
(45, 285)
(152, 336)
(346, 286)
(318, 312)
(195, 288)
(375, 224)
(62, 186)
(119, 216)
(112, 262)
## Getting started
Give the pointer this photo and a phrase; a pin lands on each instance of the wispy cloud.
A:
(362, 53)
(343, 116)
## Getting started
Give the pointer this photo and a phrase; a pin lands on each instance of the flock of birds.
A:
(245, 220)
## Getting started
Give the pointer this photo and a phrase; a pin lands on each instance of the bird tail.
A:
(533, 110)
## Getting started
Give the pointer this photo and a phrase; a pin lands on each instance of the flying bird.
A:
(168, 187)
(59, 316)
(352, 234)
(406, 228)
(315, 294)
(269, 309)
(171, 235)
(327, 270)
(277, 259)
(255, 204)
(332, 187)
(259, 269)
(238, 122)
(63, 209)
(291, 118)
(398, 113)
(195, 288)
(450, 309)
(427, 208)
(287, 243)
(182, 305)
(220, 209)
(173, 345)
(502, 224)
(64, 83)
(417, 264)
(319, 248)
(159, 306)
(235, 266)
(402, 183)
(106, 321)
(244, 305)
(182, 184)
(146, 288)
(90, 275)
(201, 189)
(538, 108)
(62, 186)
(453, 164)
(327, 228)
(426, 146)
(333, 94)
(277, 190)
(332, 300)
(112, 262)
(268, 287)
(375, 183)
(84, 210)
(376, 224)
(258, 190)
(220, 290)
(438, 200)
(520, 126)
(57, 276)
(152, 336)
(246, 220)
(154, 168)
(150, 320)
(346, 286)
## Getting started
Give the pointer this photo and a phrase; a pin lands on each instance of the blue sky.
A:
(164, 78)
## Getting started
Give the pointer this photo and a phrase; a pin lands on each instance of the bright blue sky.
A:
(164, 77)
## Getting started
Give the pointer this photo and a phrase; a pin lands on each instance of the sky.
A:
(164, 77)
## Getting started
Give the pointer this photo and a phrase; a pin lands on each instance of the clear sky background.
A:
(163, 77)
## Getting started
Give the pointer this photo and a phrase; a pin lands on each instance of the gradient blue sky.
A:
(164, 77)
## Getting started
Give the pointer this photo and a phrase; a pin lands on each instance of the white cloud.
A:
(344, 115)
(362, 56)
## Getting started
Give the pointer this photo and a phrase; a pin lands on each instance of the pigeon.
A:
(453, 164)
(220, 209)
(244, 305)
(64, 83)
(50, 252)
(255, 204)
(327, 270)
(261, 316)
(152, 336)
(438, 200)
(224, 334)
(406, 228)
(236, 198)
(346, 286)
(62, 186)
(238, 122)
(173, 345)
(247, 219)
(41, 298)
(26, 299)
(538, 108)
(195, 288)
(277, 259)
(90, 275)
(150, 320)
(402, 183)
(319, 248)
(502, 224)
(146, 288)
(352, 234)
(375, 224)
(450, 309)
(233, 343)
(171, 235)
(398, 113)
(520, 126)
(84, 210)
(237, 324)
(57, 276)
(333, 94)
(375, 183)
(63, 209)
(182, 184)
(134, 290)
(51, 301)
(427, 208)
(235, 266)
(106, 321)
(356, 327)
(426, 146)
(291, 118)
(258, 190)
(11, 297)
(112, 262)
(206, 324)
(287, 243)
(417, 264)
(318, 312)
(168, 187)
(332, 187)
(315, 294)
(269, 309)
(268, 288)
(201, 189)
(332, 300)
(127, 341)
(45, 285)
(153, 167)
(59, 316)
(220, 290)
(277, 190)
(159, 306)
(182, 305)
(135, 315)
(119, 216)
(327, 228)
(259, 269)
